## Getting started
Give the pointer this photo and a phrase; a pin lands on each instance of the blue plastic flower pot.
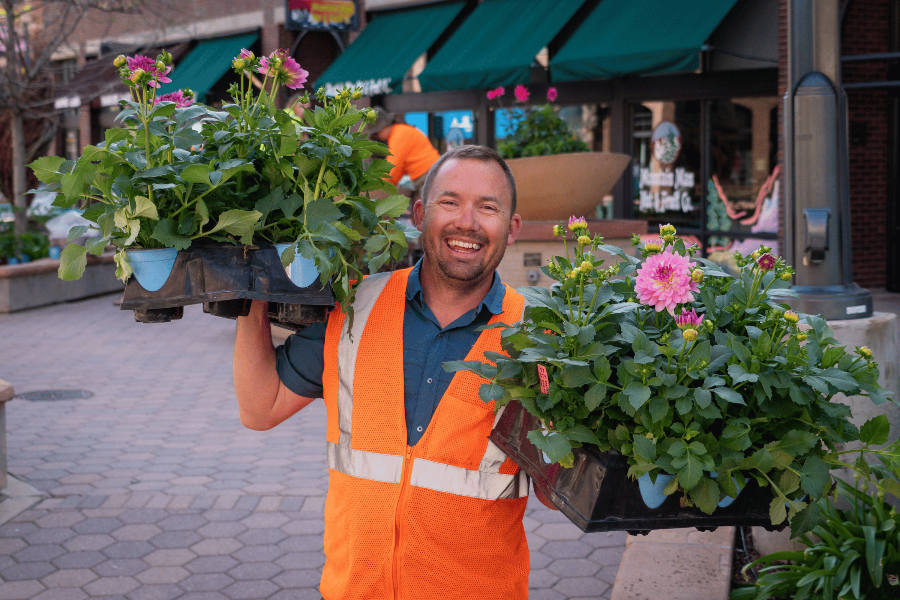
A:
(727, 500)
(152, 266)
(302, 271)
(652, 493)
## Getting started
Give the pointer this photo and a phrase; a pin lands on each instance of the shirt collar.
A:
(493, 301)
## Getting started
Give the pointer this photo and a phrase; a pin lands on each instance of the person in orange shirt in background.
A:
(411, 152)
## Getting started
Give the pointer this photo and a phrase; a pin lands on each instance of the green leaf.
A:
(645, 448)
(690, 471)
(580, 433)
(143, 207)
(798, 443)
(237, 222)
(491, 391)
(166, 232)
(46, 168)
(637, 394)
(702, 397)
(729, 395)
(594, 397)
(322, 210)
(738, 375)
(72, 261)
(705, 494)
(556, 446)
(577, 376)
(805, 520)
(814, 477)
(197, 173)
(875, 431)
(392, 206)
(475, 366)
(777, 510)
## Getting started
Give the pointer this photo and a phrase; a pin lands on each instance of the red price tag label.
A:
(545, 381)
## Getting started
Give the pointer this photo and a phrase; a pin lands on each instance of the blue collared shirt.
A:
(426, 346)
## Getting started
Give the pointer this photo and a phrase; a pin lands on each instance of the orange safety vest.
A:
(441, 519)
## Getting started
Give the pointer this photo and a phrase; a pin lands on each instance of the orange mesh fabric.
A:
(359, 551)
(330, 374)
(379, 421)
(463, 548)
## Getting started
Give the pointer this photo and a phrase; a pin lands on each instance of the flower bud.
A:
(791, 317)
(138, 75)
(587, 266)
(865, 352)
(356, 95)
(238, 64)
(160, 66)
(558, 230)
(653, 246)
(697, 275)
(787, 276)
(754, 255)
(667, 229)
(120, 61)
(584, 240)
(690, 335)
(669, 238)
(708, 325)
(801, 337)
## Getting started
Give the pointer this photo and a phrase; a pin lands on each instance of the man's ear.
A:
(418, 214)
(515, 225)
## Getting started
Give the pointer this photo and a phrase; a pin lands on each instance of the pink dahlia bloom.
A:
(246, 55)
(766, 262)
(177, 97)
(521, 93)
(551, 94)
(288, 72)
(664, 281)
(495, 93)
(577, 223)
(688, 319)
(148, 65)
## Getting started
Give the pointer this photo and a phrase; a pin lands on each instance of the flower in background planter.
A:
(536, 130)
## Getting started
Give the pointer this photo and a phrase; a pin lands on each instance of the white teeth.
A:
(469, 245)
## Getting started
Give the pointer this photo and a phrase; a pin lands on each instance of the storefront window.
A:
(743, 194)
(666, 172)
(453, 128)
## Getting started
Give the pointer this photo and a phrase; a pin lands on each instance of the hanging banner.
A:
(338, 15)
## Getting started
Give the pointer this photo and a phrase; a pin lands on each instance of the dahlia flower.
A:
(180, 99)
(688, 319)
(495, 93)
(577, 223)
(150, 66)
(766, 262)
(284, 69)
(551, 94)
(521, 93)
(664, 281)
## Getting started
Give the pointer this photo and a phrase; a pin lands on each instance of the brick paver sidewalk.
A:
(154, 489)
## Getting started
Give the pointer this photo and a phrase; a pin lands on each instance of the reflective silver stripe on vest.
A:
(465, 482)
(369, 290)
(365, 465)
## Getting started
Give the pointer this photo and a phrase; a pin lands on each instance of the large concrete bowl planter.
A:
(596, 494)
(555, 187)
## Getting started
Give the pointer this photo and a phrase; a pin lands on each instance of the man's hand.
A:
(263, 400)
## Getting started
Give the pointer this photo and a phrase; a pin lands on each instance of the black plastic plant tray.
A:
(225, 278)
(596, 494)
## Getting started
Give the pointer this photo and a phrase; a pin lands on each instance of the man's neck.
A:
(450, 299)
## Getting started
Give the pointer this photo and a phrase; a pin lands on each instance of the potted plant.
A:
(697, 382)
(556, 173)
(246, 174)
(853, 553)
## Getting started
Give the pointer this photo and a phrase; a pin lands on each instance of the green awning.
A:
(626, 37)
(206, 64)
(377, 61)
(496, 44)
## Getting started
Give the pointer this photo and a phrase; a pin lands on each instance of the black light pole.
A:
(816, 167)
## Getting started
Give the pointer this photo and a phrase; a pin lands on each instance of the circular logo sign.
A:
(666, 142)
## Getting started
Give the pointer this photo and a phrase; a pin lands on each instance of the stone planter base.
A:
(36, 283)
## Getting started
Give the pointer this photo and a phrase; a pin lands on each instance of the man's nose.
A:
(467, 218)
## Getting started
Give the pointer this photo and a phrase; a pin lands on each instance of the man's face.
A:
(466, 224)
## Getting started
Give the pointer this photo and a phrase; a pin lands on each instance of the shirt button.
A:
(429, 380)
(419, 429)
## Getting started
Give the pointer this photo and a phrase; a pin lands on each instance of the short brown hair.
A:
(482, 153)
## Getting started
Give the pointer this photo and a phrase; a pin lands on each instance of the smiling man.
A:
(420, 504)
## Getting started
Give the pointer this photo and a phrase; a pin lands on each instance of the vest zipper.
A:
(398, 517)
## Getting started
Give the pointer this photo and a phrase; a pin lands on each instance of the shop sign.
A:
(67, 102)
(338, 15)
(113, 99)
(370, 87)
(666, 189)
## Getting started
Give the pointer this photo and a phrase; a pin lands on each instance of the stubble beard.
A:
(460, 274)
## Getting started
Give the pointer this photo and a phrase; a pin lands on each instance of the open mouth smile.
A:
(463, 246)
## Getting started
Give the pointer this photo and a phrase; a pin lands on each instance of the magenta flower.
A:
(495, 93)
(551, 94)
(664, 281)
(521, 93)
(284, 69)
(246, 55)
(688, 319)
(148, 65)
(178, 97)
(766, 262)
(577, 223)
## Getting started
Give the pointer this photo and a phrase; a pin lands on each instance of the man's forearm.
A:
(255, 378)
